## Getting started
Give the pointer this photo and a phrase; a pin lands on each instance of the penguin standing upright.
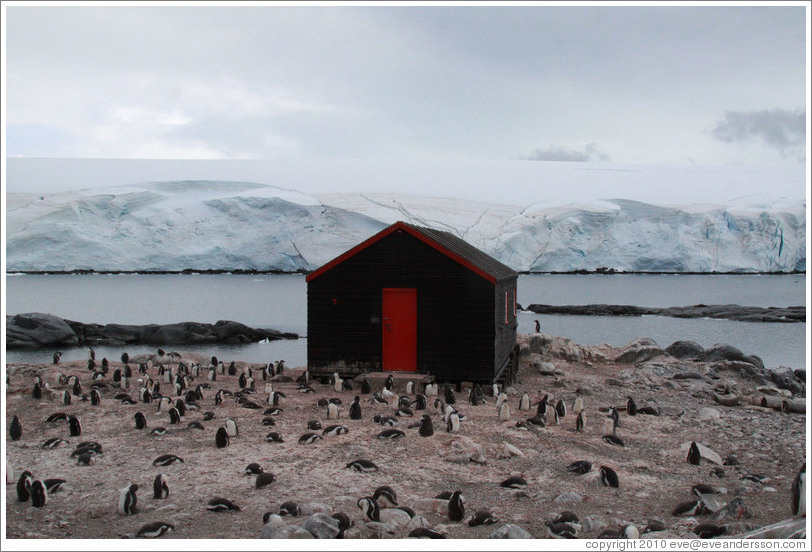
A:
(452, 421)
(24, 486)
(426, 426)
(365, 387)
(524, 402)
(355, 409)
(631, 407)
(456, 507)
(577, 405)
(580, 422)
(160, 488)
(39, 494)
(127, 500)
(504, 411)
(389, 383)
(332, 411)
(15, 430)
(140, 421)
(694, 455)
(75, 426)
(221, 438)
(450, 397)
(799, 493)
(410, 387)
(538, 327)
(370, 508)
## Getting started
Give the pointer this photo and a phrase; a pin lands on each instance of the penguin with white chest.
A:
(160, 487)
(39, 494)
(127, 500)
(799, 493)
(456, 507)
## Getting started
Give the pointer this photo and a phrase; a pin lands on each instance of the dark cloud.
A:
(557, 153)
(781, 129)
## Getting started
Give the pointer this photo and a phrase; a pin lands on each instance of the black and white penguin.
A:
(208, 415)
(701, 489)
(504, 411)
(231, 428)
(155, 529)
(57, 357)
(709, 530)
(53, 485)
(561, 408)
(365, 387)
(561, 530)
(264, 479)
(309, 438)
(389, 383)
(39, 494)
(253, 469)
(15, 430)
(609, 477)
(514, 482)
(450, 397)
(332, 411)
(410, 387)
(689, 508)
(420, 402)
(53, 443)
(274, 437)
(426, 426)
(538, 326)
(390, 434)
(524, 402)
(369, 508)
(456, 506)
(127, 500)
(614, 440)
(799, 493)
(391, 421)
(631, 407)
(221, 439)
(482, 517)
(174, 416)
(693, 454)
(580, 466)
(362, 465)
(425, 533)
(160, 487)
(24, 486)
(314, 425)
(355, 409)
(75, 426)
(166, 460)
(65, 398)
(36, 391)
(95, 397)
(335, 430)
(385, 496)
(57, 417)
(343, 523)
(221, 505)
(289, 508)
(160, 430)
(268, 421)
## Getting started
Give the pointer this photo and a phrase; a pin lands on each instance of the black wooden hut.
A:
(413, 299)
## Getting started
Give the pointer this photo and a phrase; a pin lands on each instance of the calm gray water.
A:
(279, 301)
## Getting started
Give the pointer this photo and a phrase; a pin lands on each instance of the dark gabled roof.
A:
(446, 243)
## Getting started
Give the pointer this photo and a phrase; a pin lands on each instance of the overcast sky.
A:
(710, 86)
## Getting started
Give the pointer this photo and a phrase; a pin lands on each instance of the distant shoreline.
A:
(238, 271)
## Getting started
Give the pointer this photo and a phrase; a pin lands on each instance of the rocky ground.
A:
(653, 473)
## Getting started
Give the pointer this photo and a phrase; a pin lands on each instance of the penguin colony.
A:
(149, 416)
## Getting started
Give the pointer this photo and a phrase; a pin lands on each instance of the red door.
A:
(399, 326)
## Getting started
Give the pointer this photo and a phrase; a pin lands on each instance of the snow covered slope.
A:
(206, 225)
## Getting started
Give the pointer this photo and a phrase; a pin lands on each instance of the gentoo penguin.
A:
(390, 434)
(155, 529)
(609, 477)
(66, 398)
(127, 500)
(335, 430)
(343, 523)
(580, 466)
(410, 387)
(221, 438)
(365, 388)
(561, 408)
(799, 493)
(355, 409)
(369, 508)
(387, 394)
(538, 327)
(608, 427)
(689, 508)
(95, 397)
(482, 517)
(174, 416)
(614, 440)
(274, 437)
(425, 533)
(15, 430)
(385, 420)
(309, 438)
(578, 405)
(654, 526)
(420, 402)
(450, 397)
(615, 416)
(439, 407)
(362, 465)
(456, 507)
(268, 421)
(208, 415)
(561, 530)
(221, 505)
(160, 430)
(57, 357)
(264, 479)
(75, 426)
(231, 428)
(314, 425)
(53, 485)
(332, 411)
(39, 494)
(389, 383)
(524, 402)
(167, 459)
(24, 486)
(289, 508)
(53, 443)
(385, 496)
(701, 489)
(426, 426)
(339, 385)
(514, 482)
(160, 487)
(631, 407)
(453, 422)
(709, 530)
(693, 454)
(504, 411)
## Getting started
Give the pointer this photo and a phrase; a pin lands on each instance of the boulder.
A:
(510, 531)
(639, 350)
(34, 330)
(322, 526)
(685, 349)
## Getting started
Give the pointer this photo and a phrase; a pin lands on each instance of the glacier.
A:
(231, 226)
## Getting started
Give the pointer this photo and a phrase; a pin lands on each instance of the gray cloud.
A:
(781, 129)
(558, 153)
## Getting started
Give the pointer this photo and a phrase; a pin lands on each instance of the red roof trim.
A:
(389, 230)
